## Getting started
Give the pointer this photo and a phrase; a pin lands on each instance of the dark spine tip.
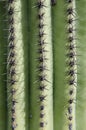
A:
(41, 124)
(70, 110)
(42, 108)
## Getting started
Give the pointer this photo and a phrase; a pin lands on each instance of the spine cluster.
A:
(43, 60)
(15, 67)
(11, 62)
(71, 63)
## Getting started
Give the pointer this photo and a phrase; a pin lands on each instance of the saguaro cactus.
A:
(42, 65)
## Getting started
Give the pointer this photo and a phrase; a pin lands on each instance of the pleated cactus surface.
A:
(42, 65)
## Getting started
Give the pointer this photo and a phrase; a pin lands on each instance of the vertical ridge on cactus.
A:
(41, 62)
(71, 70)
(15, 68)
(45, 66)
(42, 65)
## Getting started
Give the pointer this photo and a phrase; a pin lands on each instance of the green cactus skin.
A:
(57, 93)
(3, 79)
(26, 38)
(59, 41)
(62, 78)
(33, 118)
(81, 91)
